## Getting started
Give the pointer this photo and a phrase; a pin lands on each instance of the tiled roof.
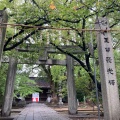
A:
(41, 81)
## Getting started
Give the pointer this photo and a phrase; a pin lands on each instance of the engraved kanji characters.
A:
(108, 59)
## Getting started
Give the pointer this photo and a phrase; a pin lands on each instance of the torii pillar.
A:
(72, 101)
(9, 88)
(3, 19)
(109, 84)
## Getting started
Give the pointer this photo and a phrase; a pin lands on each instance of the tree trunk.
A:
(54, 95)
(52, 83)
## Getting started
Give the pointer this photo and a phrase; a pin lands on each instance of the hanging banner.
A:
(35, 97)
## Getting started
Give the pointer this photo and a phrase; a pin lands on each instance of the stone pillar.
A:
(3, 19)
(9, 88)
(60, 94)
(109, 85)
(72, 101)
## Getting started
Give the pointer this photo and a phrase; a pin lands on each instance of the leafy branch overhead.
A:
(24, 86)
(39, 13)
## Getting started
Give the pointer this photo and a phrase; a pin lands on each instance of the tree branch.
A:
(21, 41)
(65, 52)
(23, 29)
(34, 2)
(81, 63)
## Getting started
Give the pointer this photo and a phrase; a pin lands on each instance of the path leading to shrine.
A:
(39, 111)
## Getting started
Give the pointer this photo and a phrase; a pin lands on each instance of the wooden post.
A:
(72, 101)
(8, 96)
(107, 72)
(3, 19)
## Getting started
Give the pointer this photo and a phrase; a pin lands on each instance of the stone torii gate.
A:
(69, 63)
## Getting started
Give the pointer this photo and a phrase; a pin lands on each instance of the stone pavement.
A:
(39, 111)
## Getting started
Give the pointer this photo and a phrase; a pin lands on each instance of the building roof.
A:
(41, 81)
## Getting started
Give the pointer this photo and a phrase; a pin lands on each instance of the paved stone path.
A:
(39, 111)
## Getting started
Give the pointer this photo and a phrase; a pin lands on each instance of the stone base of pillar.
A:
(72, 112)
